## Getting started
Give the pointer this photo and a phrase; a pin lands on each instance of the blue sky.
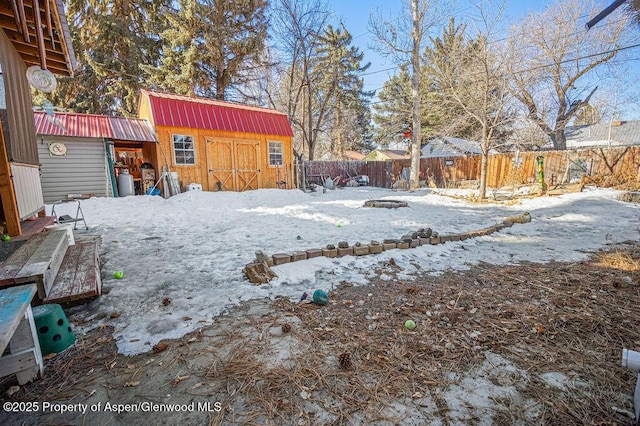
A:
(355, 15)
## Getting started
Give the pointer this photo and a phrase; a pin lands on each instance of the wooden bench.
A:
(78, 279)
(18, 331)
(36, 261)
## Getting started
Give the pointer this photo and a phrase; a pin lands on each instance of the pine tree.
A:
(110, 39)
(340, 89)
(209, 46)
(392, 114)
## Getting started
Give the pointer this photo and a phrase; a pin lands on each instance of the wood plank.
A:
(13, 265)
(23, 364)
(78, 279)
(44, 263)
(7, 191)
(25, 338)
(14, 303)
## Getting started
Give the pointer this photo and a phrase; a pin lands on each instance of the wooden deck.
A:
(78, 279)
(63, 274)
(33, 227)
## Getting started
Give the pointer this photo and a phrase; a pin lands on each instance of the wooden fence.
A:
(502, 169)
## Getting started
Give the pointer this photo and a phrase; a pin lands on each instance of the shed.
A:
(32, 34)
(84, 153)
(387, 155)
(222, 146)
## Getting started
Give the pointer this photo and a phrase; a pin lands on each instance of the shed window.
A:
(275, 154)
(184, 151)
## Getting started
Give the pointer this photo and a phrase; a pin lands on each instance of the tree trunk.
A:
(482, 192)
(414, 178)
(559, 139)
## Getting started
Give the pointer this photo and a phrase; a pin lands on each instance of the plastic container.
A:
(54, 332)
(125, 184)
(631, 359)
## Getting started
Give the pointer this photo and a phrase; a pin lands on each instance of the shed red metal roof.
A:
(94, 126)
(201, 113)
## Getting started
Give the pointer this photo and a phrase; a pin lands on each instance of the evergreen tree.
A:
(110, 38)
(392, 114)
(340, 89)
(209, 46)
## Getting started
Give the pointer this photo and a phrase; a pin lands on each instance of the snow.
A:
(191, 248)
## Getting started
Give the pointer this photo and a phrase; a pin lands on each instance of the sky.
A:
(356, 15)
(191, 248)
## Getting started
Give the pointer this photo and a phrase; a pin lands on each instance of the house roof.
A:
(202, 113)
(604, 134)
(353, 155)
(55, 52)
(387, 154)
(93, 126)
(443, 146)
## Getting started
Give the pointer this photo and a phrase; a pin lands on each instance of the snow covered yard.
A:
(191, 248)
(521, 326)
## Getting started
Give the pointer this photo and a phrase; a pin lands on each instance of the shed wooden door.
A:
(233, 165)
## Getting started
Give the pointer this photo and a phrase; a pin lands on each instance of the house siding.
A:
(83, 170)
(20, 133)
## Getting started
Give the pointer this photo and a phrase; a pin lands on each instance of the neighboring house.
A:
(445, 146)
(84, 153)
(387, 155)
(26, 39)
(603, 135)
(351, 155)
(222, 146)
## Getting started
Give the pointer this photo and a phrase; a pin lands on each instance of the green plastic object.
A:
(54, 331)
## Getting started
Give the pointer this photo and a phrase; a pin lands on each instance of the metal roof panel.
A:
(201, 113)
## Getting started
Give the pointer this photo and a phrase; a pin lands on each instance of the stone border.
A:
(259, 271)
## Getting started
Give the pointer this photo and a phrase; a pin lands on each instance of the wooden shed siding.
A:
(82, 171)
(199, 172)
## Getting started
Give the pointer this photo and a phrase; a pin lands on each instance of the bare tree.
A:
(473, 82)
(552, 57)
(402, 40)
(297, 25)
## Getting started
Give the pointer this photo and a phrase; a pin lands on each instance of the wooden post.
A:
(7, 191)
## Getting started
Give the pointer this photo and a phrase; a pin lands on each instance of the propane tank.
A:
(125, 184)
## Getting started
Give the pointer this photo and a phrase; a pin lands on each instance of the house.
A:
(221, 146)
(446, 146)
(603, 135)
(34, 44)
(351, 155)
(85, 153)
(387, 155)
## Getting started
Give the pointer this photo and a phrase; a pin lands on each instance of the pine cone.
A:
(160, 347)
(166, 301)
(286, 328)
(345, 360)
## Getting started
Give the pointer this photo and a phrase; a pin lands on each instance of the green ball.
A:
(409, 324)
(320, 297)
(118, 274)
(6, 238)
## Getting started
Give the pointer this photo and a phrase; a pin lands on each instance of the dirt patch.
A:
(532, 343)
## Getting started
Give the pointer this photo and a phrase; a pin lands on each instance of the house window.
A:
(184, 151)
(275, 154)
